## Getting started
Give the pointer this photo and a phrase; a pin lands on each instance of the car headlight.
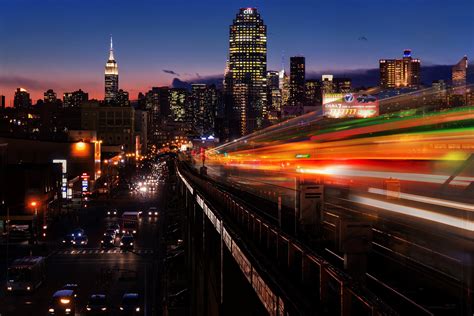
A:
(79, 234)
(88, 308)
(134, 231)
(82, 242)
(74, 242)
(108, 213)
(9, 288)
(104, 308)
(121, 243)
(68, 310)
(156, 213)
(131, 244)
(137, 309)
(149, 213)
(51, 310)
(121, 308)
(64, 241)
(28, 288)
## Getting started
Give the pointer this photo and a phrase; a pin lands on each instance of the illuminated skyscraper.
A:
(273, 91)
(399, 73)
(203, 103)
(178, 102)
(297, 80)
(111, 77)
(459, 73)
(248, 67)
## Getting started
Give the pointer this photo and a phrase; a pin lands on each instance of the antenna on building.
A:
(283, 60)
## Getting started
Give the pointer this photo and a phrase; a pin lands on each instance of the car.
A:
(111, 232)
(62, 303)
(71, 287)
(78, 232)
(152, 211)
(115, 227)
(126, 242)
(107, 241)
(364, 98)
(130, 304)
(97, 305)
(80, 240)
(112, 212)
(68, 239)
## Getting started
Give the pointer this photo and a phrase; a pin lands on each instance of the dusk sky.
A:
(63, 44)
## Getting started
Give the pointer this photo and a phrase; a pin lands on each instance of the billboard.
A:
(346, 105)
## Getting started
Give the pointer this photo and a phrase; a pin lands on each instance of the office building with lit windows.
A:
(400, 73)
(248, 69)
(111, 77)
(297, 81)
(178, 103)
(74, 99)
(50, 96)
(459, 73)
(203, 104)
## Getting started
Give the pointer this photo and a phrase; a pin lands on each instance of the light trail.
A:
(415, 212)
(415, 177)
(425, 199)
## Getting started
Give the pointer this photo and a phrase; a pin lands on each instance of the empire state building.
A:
(111, 77)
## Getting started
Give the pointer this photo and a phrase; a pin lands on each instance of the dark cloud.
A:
(171, 72)
(27, 83)
(209, 80)
(363, 39)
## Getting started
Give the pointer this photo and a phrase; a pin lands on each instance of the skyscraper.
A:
(398, 73)
(111, 77)
(273, 91)
(203, 102)
(248, 66)
(459, 73)
(21, 99)
(178, 102)
(2, 102)
(297, 80)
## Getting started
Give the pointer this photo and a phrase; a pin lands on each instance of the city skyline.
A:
(146, 63)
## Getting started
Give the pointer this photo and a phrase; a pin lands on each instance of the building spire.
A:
(111, 54)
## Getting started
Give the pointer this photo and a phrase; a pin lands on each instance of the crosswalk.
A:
(98, 251)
